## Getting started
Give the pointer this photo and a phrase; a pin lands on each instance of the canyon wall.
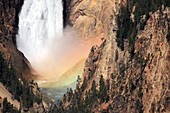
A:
(133, 60)
(9, 11)
(129, 72)
(91, 18)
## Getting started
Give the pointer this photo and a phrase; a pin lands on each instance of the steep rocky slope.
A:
(9, 11)
(91, 18)
(4, 93)
(130, 71)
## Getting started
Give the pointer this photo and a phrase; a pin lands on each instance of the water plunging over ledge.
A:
(51, 51)
(40, 21)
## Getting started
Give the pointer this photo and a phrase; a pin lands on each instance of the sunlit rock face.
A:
(91, 18)
(138, 75)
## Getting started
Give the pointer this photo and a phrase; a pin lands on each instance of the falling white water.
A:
(40, 21)
(50, 51)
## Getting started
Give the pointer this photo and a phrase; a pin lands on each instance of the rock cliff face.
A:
(9, 11)
(133, 61)
(91, 18)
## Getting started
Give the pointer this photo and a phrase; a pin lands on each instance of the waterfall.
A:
(40, 21)
(50, 50)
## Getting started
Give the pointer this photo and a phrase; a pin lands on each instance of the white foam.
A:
(40, 21)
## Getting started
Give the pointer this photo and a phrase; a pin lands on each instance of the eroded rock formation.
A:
(9, 11)
(133, 61)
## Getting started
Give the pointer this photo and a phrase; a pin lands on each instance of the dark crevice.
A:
(18, 7)
(66, 12)
(168, 36)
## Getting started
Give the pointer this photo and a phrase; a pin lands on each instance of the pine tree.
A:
(84, 85)
(78, 79)
(64, 98)
(94, 91)
(5, 105)
(102, 89)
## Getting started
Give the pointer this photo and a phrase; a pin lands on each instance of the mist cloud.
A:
(60, 54)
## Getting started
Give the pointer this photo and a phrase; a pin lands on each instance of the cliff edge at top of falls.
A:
(9, 12)
(129, 72)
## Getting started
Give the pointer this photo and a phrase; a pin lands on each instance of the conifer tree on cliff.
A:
(102, 89)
